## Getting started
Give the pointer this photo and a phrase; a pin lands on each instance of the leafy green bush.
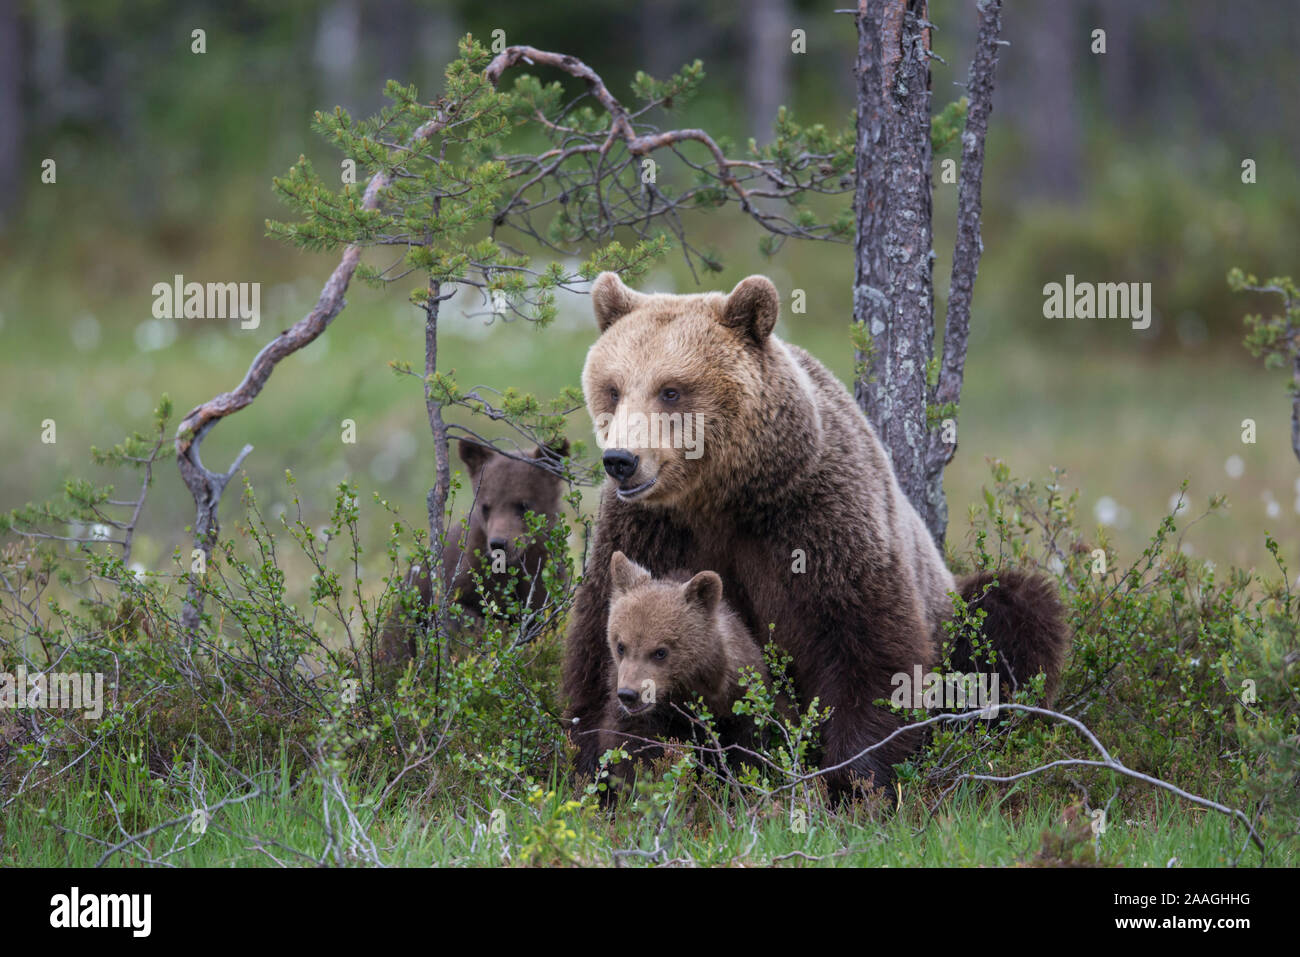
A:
(1185, 673)
(1167, 651)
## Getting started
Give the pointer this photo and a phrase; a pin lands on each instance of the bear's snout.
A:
(620, 464)
(628, 697)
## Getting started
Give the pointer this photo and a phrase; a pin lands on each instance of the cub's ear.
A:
(560, 448)
(752, 307)
(704, 591)
(612, 300)
(625, 574)
(475, 455)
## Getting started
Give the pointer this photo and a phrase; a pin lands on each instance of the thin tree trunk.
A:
(893, 292)
(1051, 114)
(11, 110)
(965, 256)
(436, 500)
(1295, 402)
(767, 66)
(337, 52)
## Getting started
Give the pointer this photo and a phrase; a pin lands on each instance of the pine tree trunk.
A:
(893, 292)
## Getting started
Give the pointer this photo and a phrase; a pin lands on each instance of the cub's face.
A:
(671, 382)
(661, 635)
(506, 490)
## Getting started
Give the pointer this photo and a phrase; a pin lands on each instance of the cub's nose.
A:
(496, 543)
(628, 696)
(620, 464)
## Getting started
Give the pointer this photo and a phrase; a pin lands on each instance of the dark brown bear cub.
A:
(672, 640)
(497, 549)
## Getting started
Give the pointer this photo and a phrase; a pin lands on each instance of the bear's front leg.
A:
(857, 753)
(850, 667)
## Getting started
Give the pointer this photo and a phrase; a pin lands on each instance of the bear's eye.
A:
(613, 395)
(487, 510)
(670, 395)
(523, 508)
(660, 654)
(620, 649)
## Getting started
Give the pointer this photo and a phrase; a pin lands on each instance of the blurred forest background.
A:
(1122, 166)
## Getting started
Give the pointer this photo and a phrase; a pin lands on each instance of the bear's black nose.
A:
(620, 464)
(496, 543)
(628, 696)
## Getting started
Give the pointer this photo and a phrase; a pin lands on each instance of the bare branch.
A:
(206, 486)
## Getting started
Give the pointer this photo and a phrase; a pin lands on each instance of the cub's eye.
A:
(613, 395)
(660, 654)
(620, 649)
(670, 395)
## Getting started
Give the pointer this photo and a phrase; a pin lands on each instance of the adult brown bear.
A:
(728, 449)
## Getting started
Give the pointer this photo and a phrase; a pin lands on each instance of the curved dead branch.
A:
(206, 486)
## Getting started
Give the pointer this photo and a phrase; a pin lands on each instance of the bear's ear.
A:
(704, 591)
(475, 455)
(612, 300)
(752, 307)
(560, 448)
(625, 574)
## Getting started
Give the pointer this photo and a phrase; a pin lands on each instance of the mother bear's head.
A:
(678, 386)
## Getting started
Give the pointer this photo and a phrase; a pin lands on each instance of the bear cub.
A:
(670, 640)
(505, 490)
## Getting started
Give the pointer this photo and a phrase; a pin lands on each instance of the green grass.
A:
(285, 824)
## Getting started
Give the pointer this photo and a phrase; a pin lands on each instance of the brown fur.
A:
(1025, 621)
(703, 645)
(504, 489)
(790, 467)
